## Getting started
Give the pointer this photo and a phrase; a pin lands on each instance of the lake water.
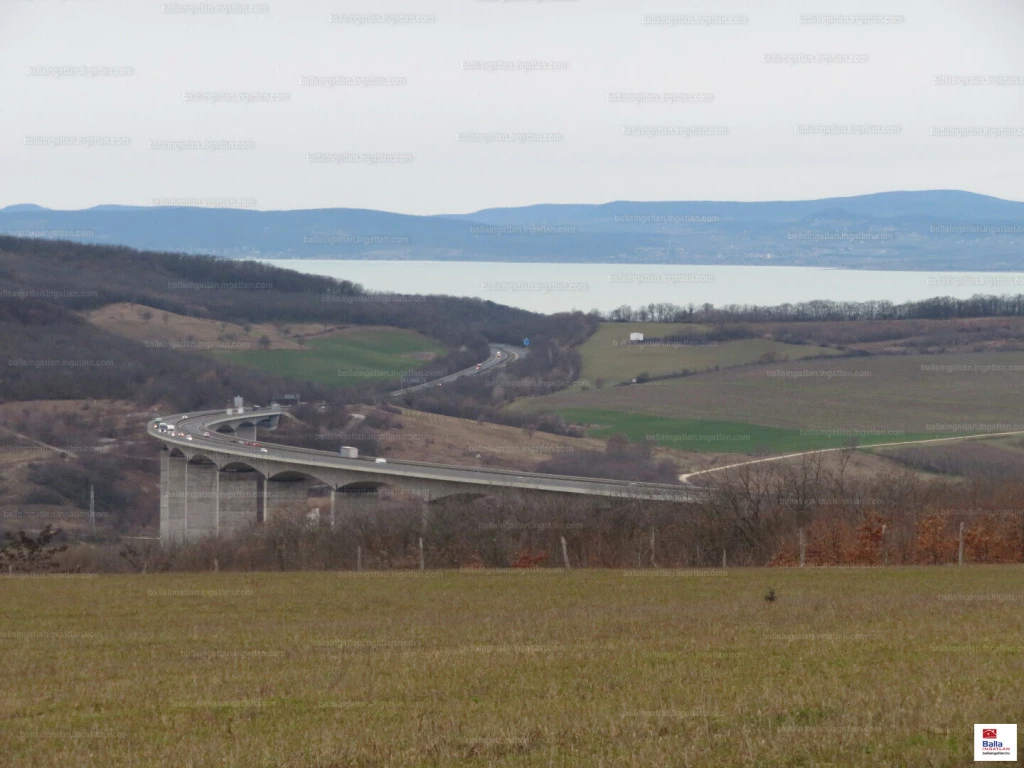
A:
(562, 287)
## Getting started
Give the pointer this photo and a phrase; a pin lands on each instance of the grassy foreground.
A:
(848, 667)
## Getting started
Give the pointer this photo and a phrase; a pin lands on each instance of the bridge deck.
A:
(195, 424)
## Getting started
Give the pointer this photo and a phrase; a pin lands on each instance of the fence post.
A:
(565, 552)
(723, 557)
(359, 558)
(803, 548)
(423, 563)
(885, 546)
(960, 556)
(653, 564)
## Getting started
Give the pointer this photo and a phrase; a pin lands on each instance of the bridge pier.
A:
(238, 501)
(165, 460)
(201, 500)
(173, 486)
(246, 432)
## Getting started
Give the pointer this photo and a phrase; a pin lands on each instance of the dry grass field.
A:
(997, 457)
(607, 356)
(168, 330)
(909, 392)
(975, 334)
(848, 667)
(171, 330)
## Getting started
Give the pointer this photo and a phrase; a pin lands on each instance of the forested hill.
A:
(82, 277)
(49, 351)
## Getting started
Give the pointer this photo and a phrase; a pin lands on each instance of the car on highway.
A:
(380, 461)
(206, 434)
(188, 437)
(478, 366)
(263, 450)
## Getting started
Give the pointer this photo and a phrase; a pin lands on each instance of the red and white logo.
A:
(995, 742)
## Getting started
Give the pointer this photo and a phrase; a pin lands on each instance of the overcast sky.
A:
(447, 106)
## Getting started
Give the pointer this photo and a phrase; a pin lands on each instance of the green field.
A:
(899, 395)
(719, 436)
(605, 356)
(860, 667)
(379, 354)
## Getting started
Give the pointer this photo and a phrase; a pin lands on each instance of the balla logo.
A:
(995, 742)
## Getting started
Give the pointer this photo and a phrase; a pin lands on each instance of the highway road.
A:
(501, 355)
(198, 432)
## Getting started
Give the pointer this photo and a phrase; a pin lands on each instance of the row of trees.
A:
(756, 516)
(938, 308)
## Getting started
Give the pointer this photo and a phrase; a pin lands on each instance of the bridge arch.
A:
(310, 475)
(238, 465)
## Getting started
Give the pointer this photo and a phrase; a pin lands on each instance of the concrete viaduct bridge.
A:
(213, 483)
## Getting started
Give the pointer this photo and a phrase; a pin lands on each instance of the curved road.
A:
(198, 432)
(501, 354)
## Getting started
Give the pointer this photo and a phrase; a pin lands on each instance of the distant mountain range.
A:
(929, 230)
